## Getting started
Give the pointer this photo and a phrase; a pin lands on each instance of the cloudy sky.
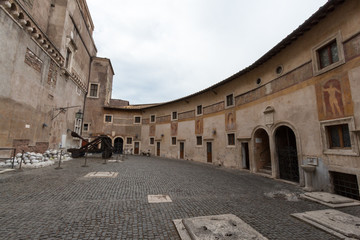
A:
(162, 50)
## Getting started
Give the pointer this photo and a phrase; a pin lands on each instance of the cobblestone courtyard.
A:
(63, 204)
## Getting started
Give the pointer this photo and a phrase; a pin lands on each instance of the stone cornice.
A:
(24, 20)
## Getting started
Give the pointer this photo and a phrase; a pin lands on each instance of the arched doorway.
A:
(262, 151)
(285, 141)
(118, 145)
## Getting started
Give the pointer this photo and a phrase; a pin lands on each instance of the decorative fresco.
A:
(199, 126)
(230, 123)
(152, 129)
(174, 128)
(334, 99)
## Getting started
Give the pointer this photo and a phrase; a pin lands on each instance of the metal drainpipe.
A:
(82, 122)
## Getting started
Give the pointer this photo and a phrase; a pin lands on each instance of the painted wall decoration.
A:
(230, 123)
(174, 128)
(199, 126)
(334, 98)
(152, 129)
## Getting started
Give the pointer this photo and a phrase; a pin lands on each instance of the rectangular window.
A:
(173, 141)
(129, 140)
(231, 139)
(199, 140)
(77, 127)
(137, 119)
(328, 54)
(199, 110)
(230, 100)
(152, 141)
(108, 118)
(93, 90)
(338, 136)
(174, 115)
(152, 118)
(86, 127)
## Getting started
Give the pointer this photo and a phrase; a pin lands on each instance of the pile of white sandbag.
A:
(37, 160)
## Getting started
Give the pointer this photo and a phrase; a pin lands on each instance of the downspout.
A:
(85, 95)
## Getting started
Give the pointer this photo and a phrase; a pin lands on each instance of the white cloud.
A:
(166, 49)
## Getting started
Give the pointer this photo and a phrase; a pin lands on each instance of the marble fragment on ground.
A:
(160, 198)
(227, 226)
(342, 225)
(330, 200)
(102, 174)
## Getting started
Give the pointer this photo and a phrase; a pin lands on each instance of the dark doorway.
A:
(209, 151)
(287, 154)
(158, 149)
(345, 185)
(245, 155)
(262, 151)
(136, 148)
(118, 145)
(182, 150)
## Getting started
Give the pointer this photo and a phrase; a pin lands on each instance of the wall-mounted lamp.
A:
(79, 114)
(162, 135)
(214, 131)
(44, 125)
(136, 136)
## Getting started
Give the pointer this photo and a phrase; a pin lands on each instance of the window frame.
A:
(352, 151)
(135, 117)
(172, 115)
(97, 91)
(153, 141)
(197, 110)
(202, 141)
(77, 125)
(232, 100)
(151, 116)
(315, 54)
(88, 127)
(127, 140)
(108, 115)
(172, 141)
(228, 139)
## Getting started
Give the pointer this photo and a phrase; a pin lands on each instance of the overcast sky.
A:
(162, 50)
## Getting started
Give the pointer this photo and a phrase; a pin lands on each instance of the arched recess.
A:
(261, 151)
(287, 153)
(118, 145)
(108, 140)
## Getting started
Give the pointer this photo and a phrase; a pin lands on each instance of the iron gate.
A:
(288, 163)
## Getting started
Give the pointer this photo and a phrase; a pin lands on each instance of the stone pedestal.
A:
(308, 169)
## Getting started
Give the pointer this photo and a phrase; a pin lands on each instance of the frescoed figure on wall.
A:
(199, 126)
(230, 121)
(152, 130)
(332, 95)
(174, 128)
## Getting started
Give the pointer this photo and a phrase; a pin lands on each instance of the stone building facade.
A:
(45, 63)
(296, 108)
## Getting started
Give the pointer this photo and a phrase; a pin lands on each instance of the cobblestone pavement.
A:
(62, 204)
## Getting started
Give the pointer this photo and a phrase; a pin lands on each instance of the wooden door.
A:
(136, 148)
(182, 147)
(158, 149)
(209, 151)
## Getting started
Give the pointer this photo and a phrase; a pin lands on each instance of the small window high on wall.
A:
(94, 90)
(328, 54)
